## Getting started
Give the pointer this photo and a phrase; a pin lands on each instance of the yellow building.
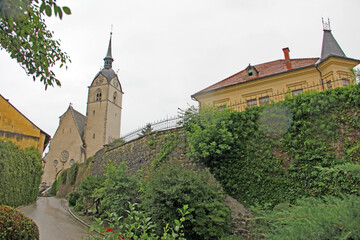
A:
(15, 127)
(271, 81)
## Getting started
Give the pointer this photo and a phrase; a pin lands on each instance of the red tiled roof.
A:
(264, 69)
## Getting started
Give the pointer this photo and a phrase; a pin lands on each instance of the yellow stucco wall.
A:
(17, 128)
(274, 88)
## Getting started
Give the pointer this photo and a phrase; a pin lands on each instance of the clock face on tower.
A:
(64, 156)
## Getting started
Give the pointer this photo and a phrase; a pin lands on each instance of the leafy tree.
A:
(23, 34)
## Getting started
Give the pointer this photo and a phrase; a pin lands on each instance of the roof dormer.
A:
(251, 72)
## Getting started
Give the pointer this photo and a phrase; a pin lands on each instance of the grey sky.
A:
(166, 50)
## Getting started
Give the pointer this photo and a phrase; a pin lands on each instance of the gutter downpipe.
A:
(321, 78)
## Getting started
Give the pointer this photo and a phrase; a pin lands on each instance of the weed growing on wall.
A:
(170, 143)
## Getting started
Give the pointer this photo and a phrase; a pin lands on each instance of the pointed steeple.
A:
(108, 58)
(330, 47)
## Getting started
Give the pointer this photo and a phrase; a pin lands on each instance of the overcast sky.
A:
(167, 50)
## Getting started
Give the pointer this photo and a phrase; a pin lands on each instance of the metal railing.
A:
(160, 125)
(269, 97)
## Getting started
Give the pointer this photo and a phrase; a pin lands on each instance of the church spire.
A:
(108, 58)
(330, 47)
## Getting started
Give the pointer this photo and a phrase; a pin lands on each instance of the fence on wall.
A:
(270, 96)
(160, 125)
(266, 96)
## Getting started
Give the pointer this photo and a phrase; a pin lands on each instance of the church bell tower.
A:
(104, 104)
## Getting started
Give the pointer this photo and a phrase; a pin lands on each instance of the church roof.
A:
(78, 118)
(107, 71)
(264, 70)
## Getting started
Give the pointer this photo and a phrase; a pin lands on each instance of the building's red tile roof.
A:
(264, 69)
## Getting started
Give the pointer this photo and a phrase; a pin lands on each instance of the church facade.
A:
(79, 137)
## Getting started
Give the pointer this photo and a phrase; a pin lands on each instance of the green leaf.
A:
(42, 7)
(67, 10)
(48, 10)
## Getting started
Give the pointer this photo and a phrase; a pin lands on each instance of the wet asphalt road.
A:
(53, 220)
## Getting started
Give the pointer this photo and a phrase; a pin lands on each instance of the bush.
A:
(16, 226)
(139, 226)
(73, 197)
(311, 218)
(56, 185)
(118, 189)
(64, 176)
(275, 153)
(171, 186)
(20, 174)
(53, 188)
(88, 195)
(72, 173)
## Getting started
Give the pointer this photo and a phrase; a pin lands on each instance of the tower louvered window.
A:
(98, 95)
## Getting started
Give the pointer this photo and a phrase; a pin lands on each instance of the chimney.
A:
(287, 58)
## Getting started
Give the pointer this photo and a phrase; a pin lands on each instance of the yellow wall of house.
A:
(18, 129)
(274, 88)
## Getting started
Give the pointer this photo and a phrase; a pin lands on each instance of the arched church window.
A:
(98, 95)
(115, 97)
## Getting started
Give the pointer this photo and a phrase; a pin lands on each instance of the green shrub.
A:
(171, 186)
(119, 188)
(274, 153)
(16, 226)
(64, 176)
(73, 197)
(89, 193)
(72, 173)
(20, 174)
(53, 188)
(139, 226)
(311, 218)
(56, 185)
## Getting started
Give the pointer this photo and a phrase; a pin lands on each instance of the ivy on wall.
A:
(277, 153)
(20, 174)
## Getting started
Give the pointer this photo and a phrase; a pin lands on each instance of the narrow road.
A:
(53, 220)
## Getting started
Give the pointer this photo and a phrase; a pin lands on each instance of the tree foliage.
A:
(24, 34)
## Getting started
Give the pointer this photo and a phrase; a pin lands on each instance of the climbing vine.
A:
(275, 153)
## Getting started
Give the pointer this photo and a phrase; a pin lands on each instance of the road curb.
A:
(82, 222)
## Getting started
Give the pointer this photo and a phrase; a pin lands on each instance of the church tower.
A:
(103, 113)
